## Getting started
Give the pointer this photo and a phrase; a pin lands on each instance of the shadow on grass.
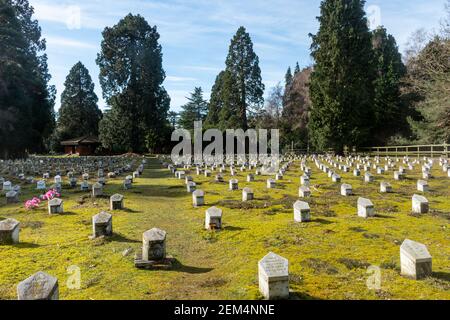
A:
(26, 245)
(130, 210)
(179, 267)
(322, 221)
(231, 228)
(445, 276)
(383, 216)
(117, 237)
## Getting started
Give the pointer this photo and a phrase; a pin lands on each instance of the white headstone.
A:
(420, 204)
(213, 218)
(9, 231)
(365, 208)
(273, 272)
(302, 211)
(415, 260)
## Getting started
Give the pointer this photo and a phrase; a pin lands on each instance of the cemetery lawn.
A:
(328, 257)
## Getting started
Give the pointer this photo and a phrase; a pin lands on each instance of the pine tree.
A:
(79, 114)
(195, 110)
(390, 113)
(243, 84)
(131, 76)
(297, 69)
(288, 78)
(341, 83)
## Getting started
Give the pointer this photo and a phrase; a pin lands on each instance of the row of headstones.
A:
(273, 270)
(10, 228)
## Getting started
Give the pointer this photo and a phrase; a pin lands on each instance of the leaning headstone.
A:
(365, 208)
(422, 186)
(247, 194)
(198, 198)
(273, 275)
(55, 206)
(213, 218)
(12, 197)
(40, 286)
(302, 212)
(116, 202)
(346, 190)
(415, 260)
(420, 204)
(102, 225)
(9, 231)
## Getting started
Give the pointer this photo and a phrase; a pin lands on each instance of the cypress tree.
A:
(288, 77)
(341, 83)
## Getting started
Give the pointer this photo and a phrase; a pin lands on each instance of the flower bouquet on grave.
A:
(51, 194)
(32, 204)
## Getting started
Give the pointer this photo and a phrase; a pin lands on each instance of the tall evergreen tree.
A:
(79, 114)
(243, 84)
(288, 78)
(131, 76)
(195, 110)
(390, 113)
(297, 69)
(26, 99)
(216, 102)
(341, 83)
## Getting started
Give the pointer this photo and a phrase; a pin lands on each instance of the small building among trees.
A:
(84, 146)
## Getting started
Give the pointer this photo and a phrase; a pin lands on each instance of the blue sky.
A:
(195, 34)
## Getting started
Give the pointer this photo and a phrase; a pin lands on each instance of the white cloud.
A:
(179, 79)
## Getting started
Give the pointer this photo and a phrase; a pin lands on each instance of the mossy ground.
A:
(328, 257)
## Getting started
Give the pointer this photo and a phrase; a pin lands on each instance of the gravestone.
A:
(422, 186)
(346, 190)
(102, 225)
(73, 182)
(7, 186)
(304, 192)
(207, 173)
(84, 186)
(365, 208)
(188, 179)
(12, 197)
(336, 178)
(9, 231)
(273, 275)
(278, 176)
(356, 172)
(213, 218)
(116, 202)
(198, 198)
(97, 190)
(57, 180)
(270, 183)
(250, 178)
(368, 177)
(191, 186)
(55, 206)
(154, 245)
(420, 204)
(247, 194)
(415, 260)
(398, 175)
(304, 180)
(233, 184)
(127, 184)
(40, 286)
(385, 187)
(302, 212)
(218, 178)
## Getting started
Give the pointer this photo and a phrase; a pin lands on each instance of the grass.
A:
(328, 257)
